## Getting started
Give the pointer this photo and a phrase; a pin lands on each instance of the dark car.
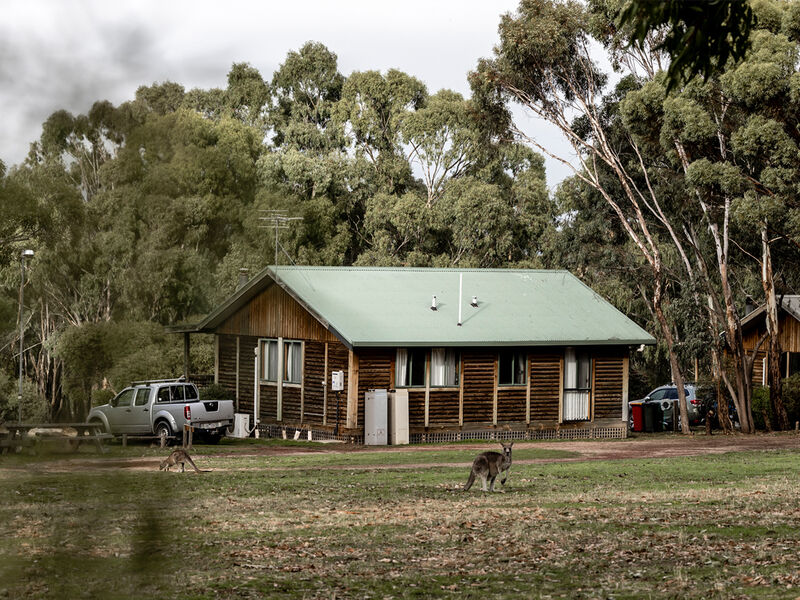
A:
(666, 397)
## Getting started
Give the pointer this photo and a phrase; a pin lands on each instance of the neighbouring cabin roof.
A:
(381, 306)
(790, 303)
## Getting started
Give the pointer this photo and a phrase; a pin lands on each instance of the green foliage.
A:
(34, 408)
(114, 353)
(762, 410)
(102, 396)
(701, 35)
(304, 90)
(791, 397)
(216, 391)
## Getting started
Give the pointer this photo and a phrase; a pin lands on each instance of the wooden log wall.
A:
(247, 353)
(545, 375)
(479, 377)
(314, 382)
(416, 407)
(758, 367)
(269, 403)
(789, 334)
(290, 404)
(442, 406)
(227, 362)
(375, 372)
(607, 393)
(338, 358)
(511, 404)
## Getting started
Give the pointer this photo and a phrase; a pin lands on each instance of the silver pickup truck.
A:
(162, 408)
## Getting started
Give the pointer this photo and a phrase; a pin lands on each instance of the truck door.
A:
(119, 414)
(140, 412)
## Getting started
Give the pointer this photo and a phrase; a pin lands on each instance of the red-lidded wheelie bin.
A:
(637, 415)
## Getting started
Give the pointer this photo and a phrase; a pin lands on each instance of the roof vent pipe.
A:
(433, 304)
(474, 303)
(243, 278)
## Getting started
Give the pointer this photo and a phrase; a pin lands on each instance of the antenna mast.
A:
(277, 219)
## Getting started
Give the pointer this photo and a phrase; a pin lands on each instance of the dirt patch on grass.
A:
(650, 447)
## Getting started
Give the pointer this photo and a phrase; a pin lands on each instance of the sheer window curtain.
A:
(401, 367)
(269, 359)
(294, 361)
(444, 367)
(438, 366)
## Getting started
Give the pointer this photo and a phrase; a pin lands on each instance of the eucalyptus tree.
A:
(675, 160)
(443, 140)
(544, 62)
(303, 93)
(372, 110)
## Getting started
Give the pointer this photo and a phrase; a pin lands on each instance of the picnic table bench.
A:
(17, 435)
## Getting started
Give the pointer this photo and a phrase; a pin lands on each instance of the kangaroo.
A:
(488, 465)
(178, 456)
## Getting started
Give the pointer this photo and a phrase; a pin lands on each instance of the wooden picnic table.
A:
(17, 435)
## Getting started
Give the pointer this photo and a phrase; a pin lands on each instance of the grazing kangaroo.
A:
(179, 456)
(488, 465)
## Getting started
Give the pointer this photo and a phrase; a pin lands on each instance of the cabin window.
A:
(794, 363)
(269, 360)
(444, 367)
(293, 362)
(410, 367)
(577, 385)
(511, 366)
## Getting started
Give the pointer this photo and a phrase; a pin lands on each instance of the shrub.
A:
(791, 398)
(762, 410)
(101, 396)
(216, 391)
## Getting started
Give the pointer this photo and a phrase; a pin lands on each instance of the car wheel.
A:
(163, 431)
(99, 423)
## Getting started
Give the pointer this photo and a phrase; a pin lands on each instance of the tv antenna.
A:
(277, 219)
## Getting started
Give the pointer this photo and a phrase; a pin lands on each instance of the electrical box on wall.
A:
(337, 381)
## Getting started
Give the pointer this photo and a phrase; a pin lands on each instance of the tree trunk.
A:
(774, 379)
(722, 414)
(677, 375)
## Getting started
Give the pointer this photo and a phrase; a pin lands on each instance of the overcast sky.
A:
(67, 54)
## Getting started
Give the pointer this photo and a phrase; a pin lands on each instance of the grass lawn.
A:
(366, 524)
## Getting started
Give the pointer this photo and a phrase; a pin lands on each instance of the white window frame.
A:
(515, 354)
(287, 359)
(408, 367)
(266, 358)
(576, 400)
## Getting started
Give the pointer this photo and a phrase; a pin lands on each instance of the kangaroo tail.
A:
(191, 462)
(470, 481)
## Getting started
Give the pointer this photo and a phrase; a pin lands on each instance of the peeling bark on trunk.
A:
(774, 379)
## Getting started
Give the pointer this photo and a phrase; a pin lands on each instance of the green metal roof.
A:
(380, 306)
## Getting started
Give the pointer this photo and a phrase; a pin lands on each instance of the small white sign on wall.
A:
(337, 381)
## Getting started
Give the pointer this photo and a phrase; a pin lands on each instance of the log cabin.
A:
(754, 327)
(481, 353)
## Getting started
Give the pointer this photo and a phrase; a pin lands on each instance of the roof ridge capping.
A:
(273, 268)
